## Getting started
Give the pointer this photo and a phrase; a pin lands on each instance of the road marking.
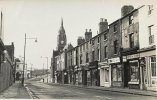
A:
(103, 97)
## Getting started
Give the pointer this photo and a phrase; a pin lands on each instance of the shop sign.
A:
(114, 60)
(133, 56)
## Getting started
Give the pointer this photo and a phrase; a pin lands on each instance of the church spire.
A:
(62, 22)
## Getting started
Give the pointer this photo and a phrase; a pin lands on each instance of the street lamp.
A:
(47, 67)
(25, 54)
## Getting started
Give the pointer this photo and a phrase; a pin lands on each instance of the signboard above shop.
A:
(114, 60)
(133, 56)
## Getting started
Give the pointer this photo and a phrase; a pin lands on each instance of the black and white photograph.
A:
(78, 49)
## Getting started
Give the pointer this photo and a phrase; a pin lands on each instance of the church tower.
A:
(62, 41)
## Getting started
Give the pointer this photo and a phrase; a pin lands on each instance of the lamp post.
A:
(25, 56)
(47, 66)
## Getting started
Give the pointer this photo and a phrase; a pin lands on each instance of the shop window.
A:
(116, 73)
(134, 71)
(153, 65)
(106, 74)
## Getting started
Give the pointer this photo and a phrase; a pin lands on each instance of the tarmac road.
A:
(41, 90)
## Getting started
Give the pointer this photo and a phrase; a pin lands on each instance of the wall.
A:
(6, 74)
(127, 29)
(146, 20)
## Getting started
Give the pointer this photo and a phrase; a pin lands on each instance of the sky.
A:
(41, 19)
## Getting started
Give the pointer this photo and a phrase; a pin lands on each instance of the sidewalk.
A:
(120, 90)
(16, 91)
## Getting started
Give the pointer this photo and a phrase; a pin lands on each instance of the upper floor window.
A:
(87, 59)
(80, 48)
(115, 28)
(131, 38)
(131, 19)
(150, 7)
(98, 53)
(83, 47)
(115, 47)
(151, 36)
(92, 42)
(105, 36)
(153, 65)
(87, 45)
(105, 52)
(93, 55)
(80, 59)
(98, 39)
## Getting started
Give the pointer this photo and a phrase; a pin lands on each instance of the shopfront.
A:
(94, 73)
(149, 70)
(116, 72)
(105, 74)
(133, 71)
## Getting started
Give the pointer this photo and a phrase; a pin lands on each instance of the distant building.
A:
(61, 43)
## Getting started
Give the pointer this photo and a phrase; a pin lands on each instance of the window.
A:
(87, 45)
(153, 65)
(106, 74)
(130, 19)
(131, 38)
(83, 47)
(116, 73)
(93, 55)
(134, 71)
(87, 59)
(98, 39)
(115, 28)
(92, 42)
(98, 53)
(105, 36)
(105, 52)
(150, 7)
(151, 37)
(80, 59)
(115, 47)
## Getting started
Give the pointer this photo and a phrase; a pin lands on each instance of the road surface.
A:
(49, 91)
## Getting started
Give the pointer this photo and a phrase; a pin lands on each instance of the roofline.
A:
(126, 15)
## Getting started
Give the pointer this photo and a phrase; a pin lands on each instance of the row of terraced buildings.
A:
(122, 54)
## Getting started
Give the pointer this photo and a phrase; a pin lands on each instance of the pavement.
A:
(111, 89)
(15, 91)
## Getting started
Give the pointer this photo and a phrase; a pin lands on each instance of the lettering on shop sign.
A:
(114, 60)
(133, 56)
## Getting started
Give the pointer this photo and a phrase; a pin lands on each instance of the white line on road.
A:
(103, 97)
